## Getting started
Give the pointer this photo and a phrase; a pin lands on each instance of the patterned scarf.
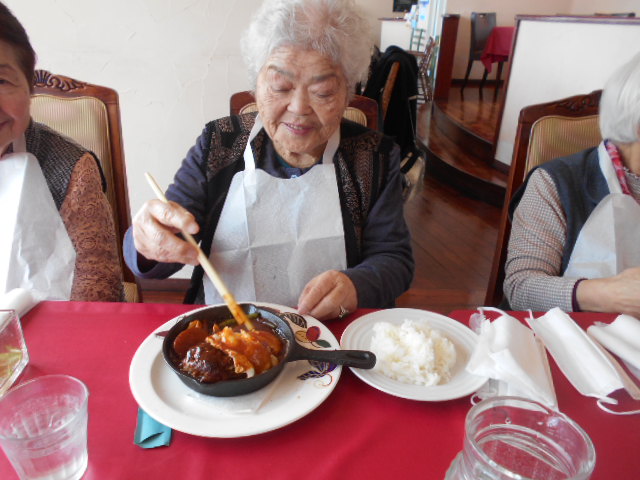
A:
(618, 166)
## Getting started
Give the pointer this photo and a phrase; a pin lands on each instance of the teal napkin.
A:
(150, 433)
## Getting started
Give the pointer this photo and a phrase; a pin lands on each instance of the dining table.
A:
(498, 46)
(357, 431)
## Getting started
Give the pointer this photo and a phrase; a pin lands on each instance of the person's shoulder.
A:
(233, 124)
(355, 132)
(43, 141)
(575, 161)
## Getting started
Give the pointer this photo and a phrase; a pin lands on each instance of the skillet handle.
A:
(349, 358)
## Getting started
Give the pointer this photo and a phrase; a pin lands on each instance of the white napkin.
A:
(18, 299)
(509, 354)
(589, 368)
(621, 337)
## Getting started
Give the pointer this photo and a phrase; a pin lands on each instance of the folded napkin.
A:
(621, 337)
(587, 366)
(18, 299)
(508, 353)
(151, 433)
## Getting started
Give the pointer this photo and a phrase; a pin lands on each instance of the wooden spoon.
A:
(227, 296)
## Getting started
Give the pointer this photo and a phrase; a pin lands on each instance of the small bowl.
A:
(291, 351)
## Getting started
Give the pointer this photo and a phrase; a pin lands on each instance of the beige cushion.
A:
(351, 113)
(557, 136)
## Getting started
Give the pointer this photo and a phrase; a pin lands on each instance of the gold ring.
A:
(343, 312)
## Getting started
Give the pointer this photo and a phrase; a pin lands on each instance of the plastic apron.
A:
(274, 235)
(36, 252)
(608, 241)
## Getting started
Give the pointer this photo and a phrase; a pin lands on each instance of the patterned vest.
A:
(57, 156)
(580, 185)
(362, 163)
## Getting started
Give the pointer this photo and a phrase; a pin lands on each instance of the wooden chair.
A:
(481, 25)
(545, 131)
(90, 115)
(362, 110)
(425, 73)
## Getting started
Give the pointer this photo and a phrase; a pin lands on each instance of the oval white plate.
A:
(358, 336)
(161, 394)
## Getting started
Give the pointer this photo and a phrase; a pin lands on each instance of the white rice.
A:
(413, 353)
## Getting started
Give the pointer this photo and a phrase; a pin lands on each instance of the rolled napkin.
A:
(508, 353)
(587, 366)
(151, 433)
(621, 337)
(18, 299)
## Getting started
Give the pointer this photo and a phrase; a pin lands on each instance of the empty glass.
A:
(43, 428)
(13, 351)
(517, 438)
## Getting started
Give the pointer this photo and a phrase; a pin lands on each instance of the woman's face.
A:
(15, 98)
(301, 96)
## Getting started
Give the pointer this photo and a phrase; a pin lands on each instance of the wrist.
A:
(575, 304)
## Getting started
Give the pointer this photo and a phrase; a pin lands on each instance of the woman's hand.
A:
(154, 233)
(618, 294)
(323, 296)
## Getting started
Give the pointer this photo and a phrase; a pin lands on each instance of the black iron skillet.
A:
(292, 351)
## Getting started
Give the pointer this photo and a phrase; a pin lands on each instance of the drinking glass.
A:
(43, 428)
(516, 438)
(13, 350)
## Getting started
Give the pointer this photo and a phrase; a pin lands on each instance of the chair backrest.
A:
(481, 25)
(387, 90)
(362, 110)
(425, 72)
(545, 131)
(90, 115)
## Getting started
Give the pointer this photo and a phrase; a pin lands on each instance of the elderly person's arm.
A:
(534, 259)
(151, 237)
(387, 267)
(533, 267)
(87, 217)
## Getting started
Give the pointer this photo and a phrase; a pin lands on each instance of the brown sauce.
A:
(211, 355)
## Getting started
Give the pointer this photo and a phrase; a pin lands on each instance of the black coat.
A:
(400, 119)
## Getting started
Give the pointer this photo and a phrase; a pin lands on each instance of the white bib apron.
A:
(608, 241)
(274, 234)
(36, 252)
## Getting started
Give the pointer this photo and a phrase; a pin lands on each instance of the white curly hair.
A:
(334, 28)
(620, 104)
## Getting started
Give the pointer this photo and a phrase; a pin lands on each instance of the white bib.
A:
(608, 241)
(36, 252)
(274, 235)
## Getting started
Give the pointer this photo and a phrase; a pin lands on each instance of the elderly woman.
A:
(67, 222)
(294, 206)
(574, 241)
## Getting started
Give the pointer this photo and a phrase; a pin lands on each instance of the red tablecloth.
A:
(358, 432)
(498, 46)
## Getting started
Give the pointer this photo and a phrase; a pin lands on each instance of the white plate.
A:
(160, 393)
(358, 336)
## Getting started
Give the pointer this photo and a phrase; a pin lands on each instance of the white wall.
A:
(506, 10)
(174, 65)
(553, 60)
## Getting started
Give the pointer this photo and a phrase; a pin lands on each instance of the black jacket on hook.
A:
(400, 119)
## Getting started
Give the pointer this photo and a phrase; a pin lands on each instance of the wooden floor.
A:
(475, 108)
(453, 236)
(453, 239)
